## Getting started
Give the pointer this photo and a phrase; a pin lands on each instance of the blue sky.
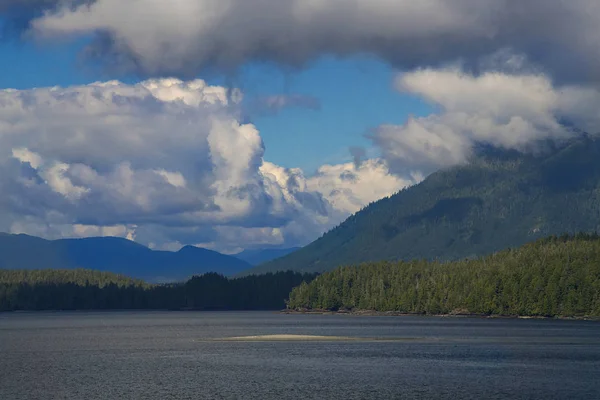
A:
(356, 94)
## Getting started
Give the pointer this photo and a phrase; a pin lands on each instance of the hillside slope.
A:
(115, 255)
(500, 199)
(259, 256)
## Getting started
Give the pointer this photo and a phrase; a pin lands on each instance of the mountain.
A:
(259, 256)
(500, 199)
(115, 255)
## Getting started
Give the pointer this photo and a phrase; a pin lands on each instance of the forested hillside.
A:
(500, 199)
(93, 290)
(556, 276)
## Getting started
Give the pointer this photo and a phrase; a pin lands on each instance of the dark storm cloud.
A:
(187, 36)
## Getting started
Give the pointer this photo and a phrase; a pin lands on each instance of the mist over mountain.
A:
(499, 199)
(115, 255)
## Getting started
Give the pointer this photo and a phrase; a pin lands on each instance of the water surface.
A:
(184, 355)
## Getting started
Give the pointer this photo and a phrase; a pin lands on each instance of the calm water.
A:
(168, 355)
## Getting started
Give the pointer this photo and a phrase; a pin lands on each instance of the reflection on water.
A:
(162, 355)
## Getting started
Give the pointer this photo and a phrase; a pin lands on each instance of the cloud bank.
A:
(504, 110)
(166, 162)
(185, 37)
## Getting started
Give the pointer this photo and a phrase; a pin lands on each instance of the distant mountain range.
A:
(256, 257)
(115, 255)
(500, 199)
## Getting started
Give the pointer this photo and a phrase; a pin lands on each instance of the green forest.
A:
(93, 290)
(551, 277)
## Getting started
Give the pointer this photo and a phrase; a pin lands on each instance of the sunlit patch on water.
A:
(287, 338)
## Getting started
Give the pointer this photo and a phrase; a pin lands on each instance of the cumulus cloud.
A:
(504, 110)
(348, 187)
(183, 37)
(164, 161)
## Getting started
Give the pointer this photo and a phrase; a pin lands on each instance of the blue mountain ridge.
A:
(115, 255)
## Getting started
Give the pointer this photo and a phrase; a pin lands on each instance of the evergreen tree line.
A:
(94, 290)
(555, 276)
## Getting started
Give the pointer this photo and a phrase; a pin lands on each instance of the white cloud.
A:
(116, 231)
(349, 188)
(501, 109)
(166, 162)
(173, 178)
(26, 156)
(55, 177)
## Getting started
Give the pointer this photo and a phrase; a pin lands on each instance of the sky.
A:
(238, 125)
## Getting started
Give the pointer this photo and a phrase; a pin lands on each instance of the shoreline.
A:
(351, 313)
(373, 313)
